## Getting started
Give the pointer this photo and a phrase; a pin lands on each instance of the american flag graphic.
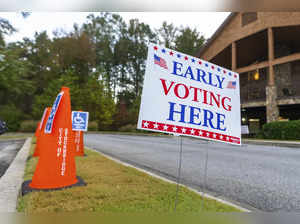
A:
(159, 61)
(231, 85)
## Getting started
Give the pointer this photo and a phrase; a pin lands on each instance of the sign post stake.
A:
(179, 172)
(205, 177)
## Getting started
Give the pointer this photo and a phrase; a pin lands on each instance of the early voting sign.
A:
(188, 96)
(49, 124)
(80, 120)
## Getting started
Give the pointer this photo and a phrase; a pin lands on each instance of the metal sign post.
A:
(205, 177)
(179, 172)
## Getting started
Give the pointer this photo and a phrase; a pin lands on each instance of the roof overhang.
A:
(216, 34)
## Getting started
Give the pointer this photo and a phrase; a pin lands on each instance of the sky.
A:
(205, 22)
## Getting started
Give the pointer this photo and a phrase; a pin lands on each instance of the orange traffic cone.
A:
(56, 165)
(79, 149)
(37, 130)
(41, 133)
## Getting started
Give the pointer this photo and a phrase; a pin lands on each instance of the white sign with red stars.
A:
(188, 96)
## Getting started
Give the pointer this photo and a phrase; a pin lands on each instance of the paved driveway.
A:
(8, 151)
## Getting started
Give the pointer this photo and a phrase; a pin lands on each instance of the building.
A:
(264, 48)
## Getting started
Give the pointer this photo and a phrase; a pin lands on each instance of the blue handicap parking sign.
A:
(49, 124)
(80, 120)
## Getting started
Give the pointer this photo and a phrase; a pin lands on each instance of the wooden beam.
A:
(271, 76)
(233, 56)
(289, 58)
(270, 44)
(249, 68)
(264, 64)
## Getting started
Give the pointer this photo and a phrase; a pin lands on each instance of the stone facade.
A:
(289, 101)
(296, 78)
(283, 73)
(260, 103)
(283, 78)
(271, 104)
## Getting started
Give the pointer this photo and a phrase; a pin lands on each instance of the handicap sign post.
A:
(80, 120)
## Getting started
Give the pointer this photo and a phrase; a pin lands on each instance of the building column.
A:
(233, 56)
(271, 89)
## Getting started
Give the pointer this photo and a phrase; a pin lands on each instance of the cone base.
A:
(27, 189)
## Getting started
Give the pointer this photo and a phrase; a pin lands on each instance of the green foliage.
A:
(15, 84)
(12, 116)
(28, 126)
(139, 35)
(47, 98)
(104, 31)
(102, 62)
(128, 128)
(167, 34)
(93, 126)
(5, 28)
(282, 130)
(189, 41)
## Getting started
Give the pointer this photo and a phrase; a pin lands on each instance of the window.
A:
(248, 17)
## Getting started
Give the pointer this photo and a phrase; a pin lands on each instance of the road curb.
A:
(11, 181)
(272, 143)
(205, 195)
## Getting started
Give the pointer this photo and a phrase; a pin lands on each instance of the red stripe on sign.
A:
(151, 125)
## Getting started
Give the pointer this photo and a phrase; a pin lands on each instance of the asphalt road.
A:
(263, 177)
(8, 151)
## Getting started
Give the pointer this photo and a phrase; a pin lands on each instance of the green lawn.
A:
(112, 187)
(265, 139)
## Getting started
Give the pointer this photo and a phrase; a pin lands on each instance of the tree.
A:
(5, 28)
(89, 96)
(104, 31)
(189, 41)
(43, 61)
(139, 35)
(121, 58)
(16, 88)
(77, 52)
(102, 62)
(167, 35)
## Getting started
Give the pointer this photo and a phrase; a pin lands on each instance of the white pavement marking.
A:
(11, 181)
(173, 182)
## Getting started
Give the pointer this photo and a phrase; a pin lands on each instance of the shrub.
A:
(93, 126)
(12, 116)
(28, 126)
(128, 128)
(285, 130)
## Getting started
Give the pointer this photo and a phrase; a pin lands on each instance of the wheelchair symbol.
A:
(78, 119)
